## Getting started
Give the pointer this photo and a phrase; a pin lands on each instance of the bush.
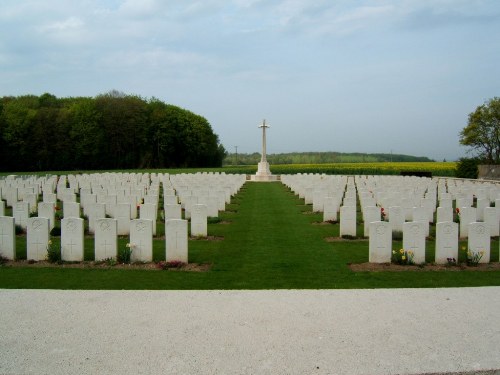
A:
(467, 168)
(53, 253)
(124, 254)
(55, 232)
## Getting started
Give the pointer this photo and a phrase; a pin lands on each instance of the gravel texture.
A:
(383, 331)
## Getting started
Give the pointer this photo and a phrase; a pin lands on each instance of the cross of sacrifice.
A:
(264, 127)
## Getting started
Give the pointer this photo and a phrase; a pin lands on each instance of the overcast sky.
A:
(338, 75)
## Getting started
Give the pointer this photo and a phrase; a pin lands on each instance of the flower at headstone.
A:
(403, 257)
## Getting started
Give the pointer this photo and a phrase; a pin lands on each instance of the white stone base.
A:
(269, 178)
(263, 173)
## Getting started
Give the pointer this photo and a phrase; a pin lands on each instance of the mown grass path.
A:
(270, 242)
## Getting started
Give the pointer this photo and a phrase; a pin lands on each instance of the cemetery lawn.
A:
(271, 240)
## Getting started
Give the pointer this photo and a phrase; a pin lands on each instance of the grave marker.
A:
(446, 242)
(37, 239)
(141, 240)
(105, 240)
(176, 237)
(380, 246)
(7, 237)
(199, 220)
(414, 240)
(479, 240)
(72, 239)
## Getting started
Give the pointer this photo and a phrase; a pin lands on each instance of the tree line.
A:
(320, 158)
(109, 131)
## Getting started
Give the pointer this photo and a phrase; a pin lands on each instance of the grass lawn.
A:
(271, 241)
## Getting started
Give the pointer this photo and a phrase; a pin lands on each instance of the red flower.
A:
(457, 210)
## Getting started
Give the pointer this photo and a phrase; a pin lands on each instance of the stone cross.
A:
(263, 126)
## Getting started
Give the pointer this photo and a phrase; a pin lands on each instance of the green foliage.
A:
(482, 133)
(55, 232)
(109, 131)
(467, 168)
(125, 253)
(53, 253)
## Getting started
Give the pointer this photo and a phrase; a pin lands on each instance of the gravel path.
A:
(383, 331)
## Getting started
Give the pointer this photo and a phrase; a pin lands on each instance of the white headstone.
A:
(12, 196)
(173, 211)
(110, 202)
(370, 214)
(199, 220)
(47, 210)
(2, 208)
(348, 221)
(330, 208)
(396, 218)
(122, 214)
(7, 237)
(37, 238)
(176, 238)
(21, 214)
(492, 218)
(481, 204)
(71, 209)
(141, 240)
(72, 239)
(106, 243)
(467, 216)
(421, 214)
(444, 214)
(446, 242)
(479, 240)
(32, 200)
(380, 246)
(95, 211)
(148, 211)
(414, 240)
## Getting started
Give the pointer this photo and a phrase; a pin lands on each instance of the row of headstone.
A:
(414, 234)
(106, 242)
(398, 199)
(116, 196)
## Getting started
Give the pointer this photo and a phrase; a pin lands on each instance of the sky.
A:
(374, 76)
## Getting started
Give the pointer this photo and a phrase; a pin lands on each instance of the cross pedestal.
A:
(263, 172)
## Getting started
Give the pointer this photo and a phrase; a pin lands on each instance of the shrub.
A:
(55, 232)
(19, 230)
(467, 168)
(124, 254)
(53, 253)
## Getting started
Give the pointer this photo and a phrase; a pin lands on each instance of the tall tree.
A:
(482, 133)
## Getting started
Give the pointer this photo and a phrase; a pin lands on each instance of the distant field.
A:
(446, 169)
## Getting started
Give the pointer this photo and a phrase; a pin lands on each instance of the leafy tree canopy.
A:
(112, 130)
(482, 133)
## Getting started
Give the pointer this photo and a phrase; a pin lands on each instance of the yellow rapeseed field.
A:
(391, 168)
